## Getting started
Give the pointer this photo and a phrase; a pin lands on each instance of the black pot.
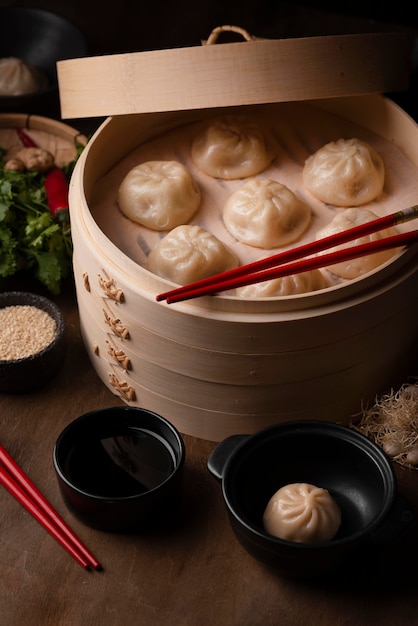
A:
(351, 467)
(41, 39)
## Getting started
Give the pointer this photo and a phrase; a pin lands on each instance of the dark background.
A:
(135, 25)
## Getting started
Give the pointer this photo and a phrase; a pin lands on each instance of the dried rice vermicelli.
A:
(392, 423)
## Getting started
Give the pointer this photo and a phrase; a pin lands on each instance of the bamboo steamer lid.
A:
(254, 71)
(221, 366)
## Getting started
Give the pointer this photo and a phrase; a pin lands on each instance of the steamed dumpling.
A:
(348, 218)
(230, 148)
(189, 253)
(345, 173)
(265, 214)
(159, 195)
(303, 513)
(291, 285)
(18, 78)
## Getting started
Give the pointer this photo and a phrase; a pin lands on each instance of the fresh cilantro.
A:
(30, 239)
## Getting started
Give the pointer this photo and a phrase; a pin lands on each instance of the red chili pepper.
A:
(56, 185)
(56, 188)
(27, 141)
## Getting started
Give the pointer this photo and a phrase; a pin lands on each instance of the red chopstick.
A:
(302, 265)
(254, 272)
(28, 495)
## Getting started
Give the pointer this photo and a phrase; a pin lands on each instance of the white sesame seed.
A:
(24, 330)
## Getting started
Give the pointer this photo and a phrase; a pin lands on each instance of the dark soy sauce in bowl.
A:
(128, 463)
(120, 469)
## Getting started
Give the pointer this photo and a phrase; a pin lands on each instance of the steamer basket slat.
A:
(285, 358)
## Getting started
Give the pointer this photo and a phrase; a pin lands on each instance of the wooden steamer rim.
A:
(255, 71)
(122, 132)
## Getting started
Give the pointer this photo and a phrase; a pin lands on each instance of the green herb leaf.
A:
(30, 238)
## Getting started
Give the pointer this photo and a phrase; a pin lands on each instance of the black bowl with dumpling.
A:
(31, 42)
(336, 459)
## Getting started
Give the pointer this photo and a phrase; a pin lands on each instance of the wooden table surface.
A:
(192, 573)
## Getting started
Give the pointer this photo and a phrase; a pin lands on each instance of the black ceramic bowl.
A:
(353, 469)
(40, 38)
(119, 469)
(28, 373)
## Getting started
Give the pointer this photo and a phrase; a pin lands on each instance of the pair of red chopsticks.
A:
(293, 262)
(29, 496)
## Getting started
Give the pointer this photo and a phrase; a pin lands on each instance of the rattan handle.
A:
(216, 32)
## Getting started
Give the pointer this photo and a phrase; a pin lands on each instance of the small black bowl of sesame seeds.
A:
(32, 341)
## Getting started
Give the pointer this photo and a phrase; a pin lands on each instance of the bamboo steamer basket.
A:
(222, 365)
(57, 137)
